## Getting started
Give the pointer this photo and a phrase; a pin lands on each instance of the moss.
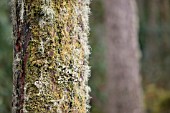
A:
(57, 68)
(157, 99)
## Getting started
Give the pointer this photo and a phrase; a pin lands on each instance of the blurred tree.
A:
(164, 50)
(155, 44)
(123, 80)
(154, 39)
(50, 56)
(151, 41)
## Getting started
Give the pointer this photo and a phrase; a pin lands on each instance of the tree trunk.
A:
(50, 67)
(123, 81)
(152, 42)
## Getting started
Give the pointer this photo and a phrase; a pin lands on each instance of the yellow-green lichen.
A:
(57, 67)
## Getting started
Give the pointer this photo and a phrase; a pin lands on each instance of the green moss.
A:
(57, 67)
(157, 99)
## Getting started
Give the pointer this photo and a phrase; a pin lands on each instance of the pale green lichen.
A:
(57, 67)
(22, 11)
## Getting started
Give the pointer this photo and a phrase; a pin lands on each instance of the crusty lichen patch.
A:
(57, 68)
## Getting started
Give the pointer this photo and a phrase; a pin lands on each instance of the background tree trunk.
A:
(152, 42)
(50, 68)
(156, 43)
(123, 80)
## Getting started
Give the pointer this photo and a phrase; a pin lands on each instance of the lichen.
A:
(57, 68)
(22, 11)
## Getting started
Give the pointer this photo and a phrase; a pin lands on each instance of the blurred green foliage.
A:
(157, 99)
(5, 58)
(97, 39)
(155, 42)
(155, 45)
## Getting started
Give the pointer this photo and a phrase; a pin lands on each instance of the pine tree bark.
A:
(123, 81)
(50, 67)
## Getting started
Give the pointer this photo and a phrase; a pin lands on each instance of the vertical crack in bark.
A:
(21, 39)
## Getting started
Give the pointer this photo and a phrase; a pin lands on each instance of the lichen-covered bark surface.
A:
(50, 56)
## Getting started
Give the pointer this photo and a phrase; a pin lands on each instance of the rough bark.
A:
(50, 67)
(123, 81)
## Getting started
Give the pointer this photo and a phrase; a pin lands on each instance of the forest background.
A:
(154, 43)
